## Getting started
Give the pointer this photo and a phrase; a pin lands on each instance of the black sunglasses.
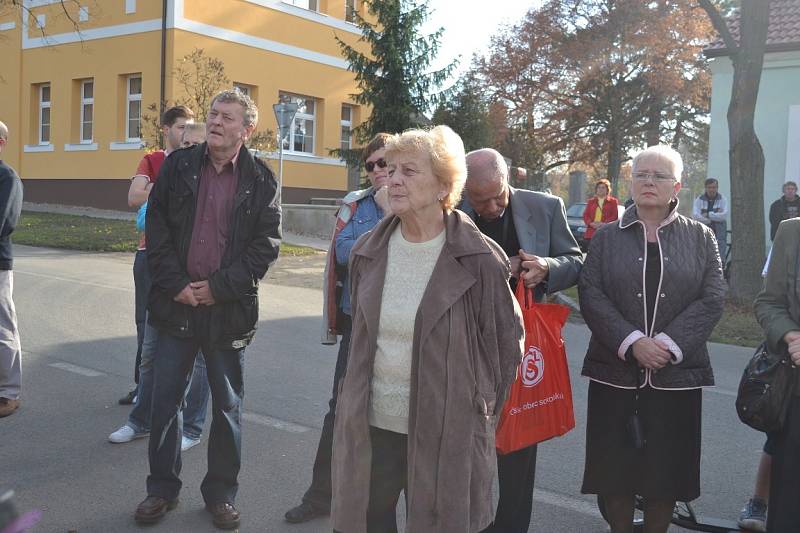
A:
(370, 165)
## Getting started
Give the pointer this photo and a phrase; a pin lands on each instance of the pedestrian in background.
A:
(531, 228)
(10, 348)
(436, 339)
(711, 208)
(176, 123)
(777, 308)
(602, 208)
(359, 213)
(784, 208)
(173, 122)
(651, 291)
(213, 230)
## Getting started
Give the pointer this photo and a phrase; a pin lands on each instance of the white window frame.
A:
(84, 102)
(42, 106)
(302, 116)
(132, 98)
(83, 14)
(354, 9)
(130, 7)
(346, 124)
(301, 4)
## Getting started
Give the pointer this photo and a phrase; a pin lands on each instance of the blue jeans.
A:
(142, 283)
(171, 376)
(194, 411)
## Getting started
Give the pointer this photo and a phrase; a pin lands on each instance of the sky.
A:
(469, 25)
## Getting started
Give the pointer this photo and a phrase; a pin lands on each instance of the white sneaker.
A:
(126, 434)
(187, 443)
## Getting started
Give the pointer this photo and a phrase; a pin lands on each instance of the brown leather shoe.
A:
(153, 509)
(224, 515)
(8, 406)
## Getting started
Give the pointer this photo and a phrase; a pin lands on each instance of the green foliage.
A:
(466, 111)
(394, 79)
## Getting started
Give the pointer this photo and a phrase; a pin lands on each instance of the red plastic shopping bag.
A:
(539, 406)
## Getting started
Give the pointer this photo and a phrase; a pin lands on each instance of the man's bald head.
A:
(486, 166)
(487, 183)
(3, 135)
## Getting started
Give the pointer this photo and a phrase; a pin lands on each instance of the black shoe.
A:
(129, 398)
(304, 512)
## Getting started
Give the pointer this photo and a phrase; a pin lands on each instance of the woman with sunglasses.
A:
(651, 291)
(360, 212)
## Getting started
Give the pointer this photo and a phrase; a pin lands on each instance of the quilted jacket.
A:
(689, 303)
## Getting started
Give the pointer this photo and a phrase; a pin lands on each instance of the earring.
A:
(440, 197)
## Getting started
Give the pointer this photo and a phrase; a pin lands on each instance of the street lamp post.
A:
(284, 115)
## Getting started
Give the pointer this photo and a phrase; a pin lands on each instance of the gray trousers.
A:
(10, 351)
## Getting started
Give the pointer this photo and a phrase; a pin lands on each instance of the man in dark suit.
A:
(532, 229)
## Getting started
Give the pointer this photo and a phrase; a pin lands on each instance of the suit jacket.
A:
(541, 223)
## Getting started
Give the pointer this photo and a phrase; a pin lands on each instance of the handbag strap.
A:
(525, 296)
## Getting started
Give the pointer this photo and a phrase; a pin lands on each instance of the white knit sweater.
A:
(408, 271)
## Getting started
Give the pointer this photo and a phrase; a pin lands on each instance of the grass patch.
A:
(73, 232)
(738, 325)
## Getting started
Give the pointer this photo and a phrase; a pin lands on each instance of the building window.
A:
(130, 7)
(244, 89)
(83, 14)
(301, 132)
(133, 122)
(305, 4)
(87, 111)
(346, 123)
(350, 7)
(44, 114)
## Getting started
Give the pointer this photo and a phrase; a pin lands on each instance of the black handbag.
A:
(765, 390)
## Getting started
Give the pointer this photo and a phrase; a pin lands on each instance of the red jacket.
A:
(610, 213)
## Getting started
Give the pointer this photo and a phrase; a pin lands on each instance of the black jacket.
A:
(776, 215)
(255, 235)
(10, 207)
(689, 304)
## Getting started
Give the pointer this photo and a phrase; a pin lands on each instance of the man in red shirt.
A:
(173, 122)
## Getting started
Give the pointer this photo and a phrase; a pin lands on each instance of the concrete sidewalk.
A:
(288, 238)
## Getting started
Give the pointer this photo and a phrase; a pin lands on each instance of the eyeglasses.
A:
(370, 165)
(656, 177)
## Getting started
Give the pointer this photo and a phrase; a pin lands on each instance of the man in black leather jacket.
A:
(213, 229)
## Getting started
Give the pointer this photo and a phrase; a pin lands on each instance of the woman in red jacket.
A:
(601, 209)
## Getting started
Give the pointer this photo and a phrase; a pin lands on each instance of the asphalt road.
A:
(76, 319)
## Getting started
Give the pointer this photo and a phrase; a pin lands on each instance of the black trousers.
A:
(516, 472)
(784, 488)
(388, 478)
(319, 493)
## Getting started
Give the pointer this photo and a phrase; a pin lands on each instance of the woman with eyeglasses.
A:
(651, 291)
(360, 212)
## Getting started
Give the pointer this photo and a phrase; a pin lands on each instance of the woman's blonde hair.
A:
(446, 151)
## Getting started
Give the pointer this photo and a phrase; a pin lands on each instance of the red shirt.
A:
(215, 196)
(149, 167)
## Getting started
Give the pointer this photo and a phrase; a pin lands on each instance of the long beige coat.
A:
(468, 340)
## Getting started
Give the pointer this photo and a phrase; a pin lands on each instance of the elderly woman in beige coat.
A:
(437, 336)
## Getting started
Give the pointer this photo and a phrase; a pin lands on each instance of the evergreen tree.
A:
(394, 80)
(466, 111)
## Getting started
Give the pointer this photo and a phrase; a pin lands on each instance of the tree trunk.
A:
(746, 155)
(614, 161)
(653, 128)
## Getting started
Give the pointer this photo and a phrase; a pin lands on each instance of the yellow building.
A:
(73, 100)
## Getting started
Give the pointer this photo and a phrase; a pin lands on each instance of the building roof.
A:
(783, 34)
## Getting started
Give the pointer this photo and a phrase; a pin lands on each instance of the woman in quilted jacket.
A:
(651, 291)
